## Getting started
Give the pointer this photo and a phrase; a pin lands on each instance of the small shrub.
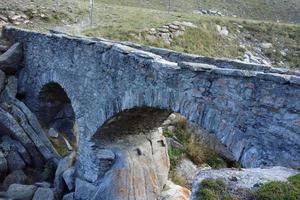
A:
(175, 156)
(59, 146)
(211, 189)
(295, 180)
(168, 134)
(276, 190)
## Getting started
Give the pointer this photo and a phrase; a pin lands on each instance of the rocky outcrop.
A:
(203, 11)
(18, 191)
(24, 147)
(236, 179)
(166, 33)
(10, 60)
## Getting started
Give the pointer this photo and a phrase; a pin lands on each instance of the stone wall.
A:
(254, 110)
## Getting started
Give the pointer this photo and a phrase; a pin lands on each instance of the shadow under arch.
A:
(134, 121)
(131, 146)
(132, 154)
(57, 117)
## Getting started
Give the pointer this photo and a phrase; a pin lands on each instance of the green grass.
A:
(252, 9)
(199, 154)
(122, 23)
(196, 152)
(122, 20)
(276, 190)
(213, 190)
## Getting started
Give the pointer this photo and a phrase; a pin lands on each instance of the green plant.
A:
(60, 146)
(177, 179)
(175, 156)
(295, 180)
(276, 190)
(213, 189)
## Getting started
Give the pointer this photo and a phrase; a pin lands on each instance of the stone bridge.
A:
(253, 110)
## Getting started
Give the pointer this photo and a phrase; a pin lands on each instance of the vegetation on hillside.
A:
(123, 20)
(123, 23)
(192, 149)
(276, 190)
(252, 9)
(211, 189)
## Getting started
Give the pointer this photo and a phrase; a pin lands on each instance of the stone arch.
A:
(57, 117)
(132, 153)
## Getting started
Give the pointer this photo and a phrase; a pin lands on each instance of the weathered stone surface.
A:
(63, 165)
(188, 170)
(174, 192)
(141, 163)
(21, 192)
(43, 184)
(69, 178)
(17, 176)
(15, 161)
(4, 196)
(3, 163)
(2, 80)
(84, 190)
(244, 178)
(10, 60)
(22, 124)
(53, 133)
(12, 128)
(253, 110)
(69, 196)
(43, 194)
(3, 48)
(16, 146)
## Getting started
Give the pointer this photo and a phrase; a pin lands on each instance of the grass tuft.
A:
(276, 190)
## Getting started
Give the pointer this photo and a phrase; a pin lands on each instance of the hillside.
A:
(255, 41)
(281, 10)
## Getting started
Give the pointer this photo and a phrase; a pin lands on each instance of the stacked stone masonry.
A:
(254, 110)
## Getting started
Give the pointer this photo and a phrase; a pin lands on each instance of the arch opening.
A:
(57, 117)
(146, 144)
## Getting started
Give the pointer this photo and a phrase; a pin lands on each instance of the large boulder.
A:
(10, 60)
(236, 179)
(21, 192)
(85, 190)
(43, 194)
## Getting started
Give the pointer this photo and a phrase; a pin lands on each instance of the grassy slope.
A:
(117, 22)
(287, 11)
